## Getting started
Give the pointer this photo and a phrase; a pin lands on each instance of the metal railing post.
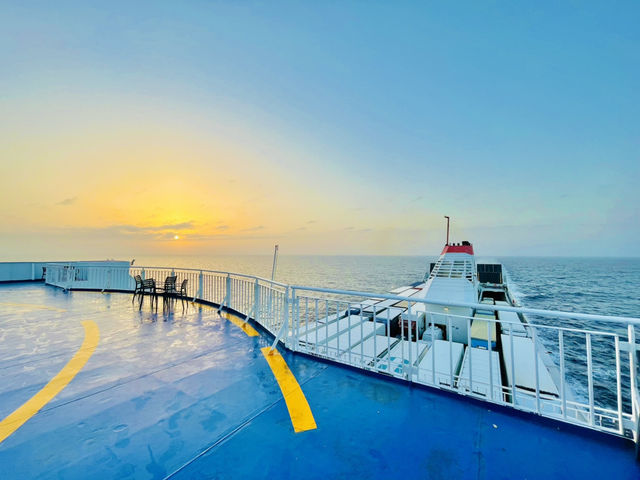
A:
(536, 368)
(253, 310)
(285, 322)
(592, 412)
(70, 275)
(270, 314)
(226, 301)
(619, 386)
(562, 374)
(632, 376)
(286, 307)
(490, 352)
(449, 335)
(470, 356)
(256, 301)
(200, 286)
(295, 320)
(410, 369)
(108, 284)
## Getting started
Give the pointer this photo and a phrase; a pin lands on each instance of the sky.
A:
(206, 127)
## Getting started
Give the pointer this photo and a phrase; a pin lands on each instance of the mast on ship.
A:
(452, 278)
(447, 230)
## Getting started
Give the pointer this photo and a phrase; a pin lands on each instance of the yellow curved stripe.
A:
(246, 328)
(16, 419)
(299, 410)
(29, 305)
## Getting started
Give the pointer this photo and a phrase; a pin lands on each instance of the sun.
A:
(176, 237)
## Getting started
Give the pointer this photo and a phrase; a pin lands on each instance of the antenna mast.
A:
(447, 229)
(275, 263)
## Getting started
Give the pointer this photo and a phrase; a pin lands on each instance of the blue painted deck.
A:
(191, 396)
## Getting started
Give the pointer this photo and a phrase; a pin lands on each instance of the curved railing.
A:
(329, 323)
(257, 298)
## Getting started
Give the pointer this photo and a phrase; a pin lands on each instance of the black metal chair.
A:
(147, 286)
(182, 293)
(170, 285)
(168, 291)
(138, 289)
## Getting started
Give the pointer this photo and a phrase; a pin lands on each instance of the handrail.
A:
(533, 311)
(386, 296)
(244, 275)
(254, 277)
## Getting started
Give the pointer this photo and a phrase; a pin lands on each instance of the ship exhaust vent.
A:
(489, 273)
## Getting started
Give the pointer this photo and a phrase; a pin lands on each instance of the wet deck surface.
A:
(191, 396)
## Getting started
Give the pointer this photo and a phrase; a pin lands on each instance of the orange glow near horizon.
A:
(143, 183)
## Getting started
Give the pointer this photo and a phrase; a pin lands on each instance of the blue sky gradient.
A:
(520, 120)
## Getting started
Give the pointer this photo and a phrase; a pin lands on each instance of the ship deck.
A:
(192, 395)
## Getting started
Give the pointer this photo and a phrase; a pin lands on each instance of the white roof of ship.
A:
(454, 265)
(451, 279)
(451, 289)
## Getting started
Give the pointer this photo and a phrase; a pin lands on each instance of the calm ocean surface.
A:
(606, 286)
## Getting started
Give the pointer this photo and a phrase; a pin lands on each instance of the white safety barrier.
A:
(504, 358)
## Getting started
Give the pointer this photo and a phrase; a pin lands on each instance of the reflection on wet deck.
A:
(190, 395)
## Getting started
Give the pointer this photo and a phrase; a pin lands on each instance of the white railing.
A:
(254, 297)
(21, 271)
(549, 365)
(333, 328)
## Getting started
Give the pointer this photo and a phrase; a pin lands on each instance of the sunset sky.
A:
(325, 127)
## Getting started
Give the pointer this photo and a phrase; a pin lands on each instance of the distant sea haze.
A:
(606, 286)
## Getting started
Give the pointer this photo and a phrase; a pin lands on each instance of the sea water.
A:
(605, 286)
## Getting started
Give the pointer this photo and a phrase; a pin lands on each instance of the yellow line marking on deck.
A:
(246, 328)
(299, 410)
(29, 305)
(16, 419)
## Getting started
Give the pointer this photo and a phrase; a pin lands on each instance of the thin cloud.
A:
(129, 228)
(167, 236)
(174, 226)
(253, 229)
(67, 201)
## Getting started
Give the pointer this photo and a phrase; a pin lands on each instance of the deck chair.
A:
(182, 293)
(138, 289)
(168, 291)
